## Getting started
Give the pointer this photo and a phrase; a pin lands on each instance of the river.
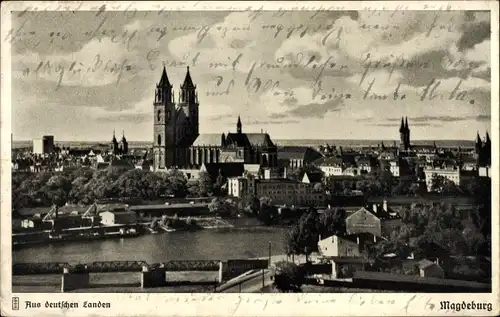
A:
(210, 244)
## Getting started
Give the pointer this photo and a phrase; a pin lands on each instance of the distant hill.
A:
(289, 142)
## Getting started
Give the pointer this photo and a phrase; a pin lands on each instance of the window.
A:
(159, 139)
(158, 116)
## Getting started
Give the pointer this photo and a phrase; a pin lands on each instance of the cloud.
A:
(474, 34)
(316, 110)
(419, 124)
(328, 50)
(97, 63)
(424, 119)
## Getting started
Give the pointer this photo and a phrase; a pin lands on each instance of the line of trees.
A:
(85, 185)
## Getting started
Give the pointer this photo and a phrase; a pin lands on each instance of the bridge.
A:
(113, 266)
(76, 276)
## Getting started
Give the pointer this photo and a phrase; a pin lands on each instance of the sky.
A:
(296, 75)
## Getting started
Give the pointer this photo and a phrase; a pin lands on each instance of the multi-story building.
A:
(45, 145)
(175, 122)
(282, 191)
(379, 221)
(449, 172)
(296, 156)
(331, 166)
(178, 144)
(394, 168)
(338, 246)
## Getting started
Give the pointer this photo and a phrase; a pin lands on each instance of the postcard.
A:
(249, 158)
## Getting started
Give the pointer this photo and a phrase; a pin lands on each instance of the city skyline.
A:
(100, 76)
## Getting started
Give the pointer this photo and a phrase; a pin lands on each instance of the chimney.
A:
(375, 207)
(385, 205)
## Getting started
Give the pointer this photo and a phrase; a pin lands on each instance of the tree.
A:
(268, 213)
(437, 183)
(205, 184)
(177, 183)
(332, 222)
(287, 277)
(319, 188)
(303, 236)
(220, 183)
(253, 204)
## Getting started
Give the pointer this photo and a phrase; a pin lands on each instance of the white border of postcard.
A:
(304, 304)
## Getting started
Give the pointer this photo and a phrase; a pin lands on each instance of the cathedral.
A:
(116, 148)
(175, 122)
(404, 136)
(483, 150)
(178, 144)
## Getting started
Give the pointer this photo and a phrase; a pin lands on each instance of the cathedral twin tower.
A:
(176, 124)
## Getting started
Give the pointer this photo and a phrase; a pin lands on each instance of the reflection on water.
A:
(213, 244)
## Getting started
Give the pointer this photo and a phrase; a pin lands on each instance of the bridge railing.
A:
(38, 268)
(116, 266)
(113, 266)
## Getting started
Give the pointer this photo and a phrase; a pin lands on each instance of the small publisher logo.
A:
(15, 303)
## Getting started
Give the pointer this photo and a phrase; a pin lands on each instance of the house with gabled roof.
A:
(379, 220)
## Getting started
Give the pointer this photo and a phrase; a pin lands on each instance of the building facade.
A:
(45, 145)
(379, 221)
(337, 246)
(451, 173)
(282, 191)
(177, 142)
(176, 122)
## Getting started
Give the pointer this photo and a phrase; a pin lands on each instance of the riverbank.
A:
(40, 238)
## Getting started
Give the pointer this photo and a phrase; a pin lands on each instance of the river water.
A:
(209, 244)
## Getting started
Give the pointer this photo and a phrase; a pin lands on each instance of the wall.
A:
(432, 271)
(363, 221)
(335, 246)
(72, 281)
(232, 268)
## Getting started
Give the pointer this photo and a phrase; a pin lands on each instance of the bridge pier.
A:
(73, 280)
(223, 272)
(153, 277)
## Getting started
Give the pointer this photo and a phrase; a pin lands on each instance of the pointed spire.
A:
(487, 137)
(114, 137)
(478, 138)
(164, 78)
(188, 82)
(238, 125)
(406, 124)
(123, 135)
(402, 128)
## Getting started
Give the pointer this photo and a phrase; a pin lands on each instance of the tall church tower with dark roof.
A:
(176, 124)
(407, 131)
(164, 124)
(404, 135)
(113, 147)
(239, 126)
